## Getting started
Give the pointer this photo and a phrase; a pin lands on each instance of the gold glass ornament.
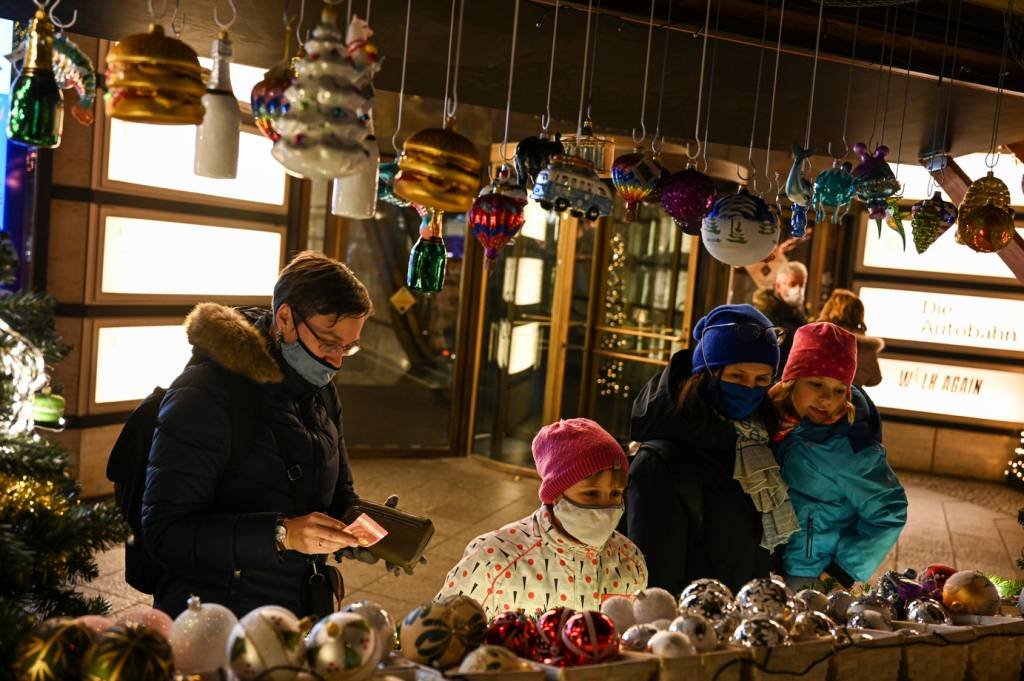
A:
(53, 650)
(152, 78)
(970, 592)
(600, 151)
(986, 219)
(439, 169)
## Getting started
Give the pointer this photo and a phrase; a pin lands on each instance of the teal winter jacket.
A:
(849, 503)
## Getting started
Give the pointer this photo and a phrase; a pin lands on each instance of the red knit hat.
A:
(822, 349)
(568, 451)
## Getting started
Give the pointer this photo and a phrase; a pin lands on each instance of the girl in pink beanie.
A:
(848, 502)
(567, 552)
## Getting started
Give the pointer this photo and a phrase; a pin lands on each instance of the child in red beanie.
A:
(850, 506)
(566, 553)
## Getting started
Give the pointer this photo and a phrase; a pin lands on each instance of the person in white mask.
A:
(567, 552)
(783, 304)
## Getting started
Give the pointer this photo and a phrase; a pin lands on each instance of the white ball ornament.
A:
(654, 604)
(381, 621)
(765, 597)
(698, 629)
(489, 658)
(740, 230)
(199, 638)
(638, 636)
(671, 644)
(342, 647)
(620, 609)
(266, 637)
(704, 585)
(661, 625)
(810, 600)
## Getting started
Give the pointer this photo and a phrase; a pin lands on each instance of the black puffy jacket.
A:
(684, 510)
(209, 515)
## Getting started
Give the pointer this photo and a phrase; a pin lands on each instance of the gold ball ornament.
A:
(441, 633)
(970, 592)
(986, 229)
(439, 169)
(52, 651)
(129, 653)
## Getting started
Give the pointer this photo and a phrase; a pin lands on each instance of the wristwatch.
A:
(281, 534)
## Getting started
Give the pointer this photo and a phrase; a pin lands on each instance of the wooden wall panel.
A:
(68, 251)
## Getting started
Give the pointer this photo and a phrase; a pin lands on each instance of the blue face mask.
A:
(313, 369)
(736, 401)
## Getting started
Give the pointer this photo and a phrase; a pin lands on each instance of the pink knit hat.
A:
(571, 450)
(822, 349)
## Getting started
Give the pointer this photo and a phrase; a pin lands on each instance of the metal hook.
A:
(753, 186)
(56, 22)
(643, 135)
(176, 26)
(216, 16)
(696, 154)
(743, 180)
(298, 26)
(40, 5)
(846, 147)
(153, 13)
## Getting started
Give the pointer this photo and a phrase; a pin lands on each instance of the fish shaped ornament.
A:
(740, 230)
(687, 196)
(533, 155)
(930, 220)
(874, 180)
(497, 215)
(986, 219)
(799, 191)
(634, 176)
(833, 188)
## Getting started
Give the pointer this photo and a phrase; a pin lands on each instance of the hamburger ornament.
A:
(152, 78)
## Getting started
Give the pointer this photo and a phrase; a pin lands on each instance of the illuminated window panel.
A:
(160, 257)
(945, 256)
(132, 360)
(523, 347)
(243, 77)
(162, 156)
(529, 281)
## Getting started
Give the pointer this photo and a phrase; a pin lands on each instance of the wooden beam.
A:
(955, 182)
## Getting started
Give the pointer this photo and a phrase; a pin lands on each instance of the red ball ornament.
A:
(688, 196)
(589, 638)
(516, 631)
(550, 625)
(497, 215)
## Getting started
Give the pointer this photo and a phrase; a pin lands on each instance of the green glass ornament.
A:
(931, 218)
(37, 105)
(48, 409)
(894, 217)
(833, 188)
(428, 258)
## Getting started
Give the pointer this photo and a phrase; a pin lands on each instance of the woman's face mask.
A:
(734, 400)
(592, 525)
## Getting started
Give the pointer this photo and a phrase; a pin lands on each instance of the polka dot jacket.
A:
(532, 565)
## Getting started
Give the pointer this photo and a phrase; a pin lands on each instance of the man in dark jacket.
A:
(254, 529)
(784, 302)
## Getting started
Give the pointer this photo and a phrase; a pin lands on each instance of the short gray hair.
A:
(792, 267)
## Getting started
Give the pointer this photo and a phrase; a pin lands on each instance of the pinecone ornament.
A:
(930, 220)
(986, 219)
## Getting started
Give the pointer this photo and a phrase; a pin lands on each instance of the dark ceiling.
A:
(621, 36)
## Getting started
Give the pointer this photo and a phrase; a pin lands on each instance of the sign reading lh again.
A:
(963, 321)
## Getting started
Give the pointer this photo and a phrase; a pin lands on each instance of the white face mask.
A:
(591, 525)
(794, 295)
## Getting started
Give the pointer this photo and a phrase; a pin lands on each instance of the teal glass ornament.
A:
(385, 184)
(428, 258)
(834, 188)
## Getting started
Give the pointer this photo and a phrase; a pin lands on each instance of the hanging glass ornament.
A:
(36, 117)
(217, 136)
(439, 169)
(985, 216)
(895, 215)
(385, 184)
(635, 176)
(687, 196)
(497, 215)
(533, 155)
(72, 69)
(355, 195)
(569, 182)
(268, 100)
(428, 257)
(833, 188)
(654, 197)
(740, 230)
(930, 219)
(600, 151)
(152, 78)
(799, 191)
(874, 180)
(324, 134)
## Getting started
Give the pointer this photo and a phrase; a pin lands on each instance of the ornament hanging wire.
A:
(224, 26)
(888, 81)
(593, 58)
(878, 84)
(814, 80)
(757, 102)
(511, 73)
(450, 108)
(156, 16)
(949, 89)
(906, 92)
(775, 88)
(849, 83)
(57, 22)
(993, 148)
(177, 26)
(655, 147)
(401, 87)
(583, 80)
(637, 141)
(545, 119)
(711, 87)
(369, 6)
(700, 88)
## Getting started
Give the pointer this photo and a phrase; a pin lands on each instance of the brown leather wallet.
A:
(408, 534)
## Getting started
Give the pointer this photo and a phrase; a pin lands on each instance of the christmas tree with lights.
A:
(1015, 467)
(48, 536)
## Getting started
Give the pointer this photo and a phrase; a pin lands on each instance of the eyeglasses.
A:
(748, 332)
(330, 347)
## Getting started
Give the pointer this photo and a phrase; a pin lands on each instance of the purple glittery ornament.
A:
(688, 196)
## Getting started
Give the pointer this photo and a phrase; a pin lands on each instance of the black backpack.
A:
(129, 459)
(690, 491)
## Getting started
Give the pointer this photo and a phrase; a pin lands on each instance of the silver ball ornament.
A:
(698, 629)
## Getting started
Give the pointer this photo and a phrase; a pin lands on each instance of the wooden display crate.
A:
(630, 667)
(998, 651)
(720, 665)
(869, 656)
(937, 653)
(808, 661)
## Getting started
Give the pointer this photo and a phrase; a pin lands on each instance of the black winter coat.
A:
(781, 314)
(209, 515)
(684, 510)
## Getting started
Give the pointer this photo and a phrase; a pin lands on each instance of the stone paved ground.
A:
(965, 524)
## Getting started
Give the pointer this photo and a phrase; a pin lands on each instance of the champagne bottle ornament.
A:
(324, 133)
(985, 216)
(833, 188)
(428, 257)
(930, 219)
(874, 180)
(218, 135)
(635, 176)
(72, 69)
(36, 117)
(799, 191)
(497, 215)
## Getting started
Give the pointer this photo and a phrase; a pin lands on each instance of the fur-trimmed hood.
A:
(869, 343)
(232, 340)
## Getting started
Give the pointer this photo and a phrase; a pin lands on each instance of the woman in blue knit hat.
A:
(705, 497)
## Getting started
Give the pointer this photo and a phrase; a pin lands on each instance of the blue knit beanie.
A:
(718, 347)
